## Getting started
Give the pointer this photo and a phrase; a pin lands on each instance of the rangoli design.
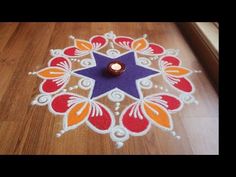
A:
(136, 119)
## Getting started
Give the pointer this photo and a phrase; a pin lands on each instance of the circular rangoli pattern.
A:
(136, 118)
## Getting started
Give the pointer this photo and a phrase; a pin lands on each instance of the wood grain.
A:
(27, 129)
(207, 54)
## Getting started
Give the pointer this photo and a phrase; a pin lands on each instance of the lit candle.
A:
(116, 68)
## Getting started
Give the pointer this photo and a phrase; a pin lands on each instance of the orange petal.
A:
(139, 44)
(78, 113)
(51, 72)
(177, 71)
(158, 115)
(83, 45)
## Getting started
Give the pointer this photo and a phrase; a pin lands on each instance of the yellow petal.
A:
(139, 44)
(158, 115)
(78, 113)
(51, 72)
(177, 71)
(83, 45)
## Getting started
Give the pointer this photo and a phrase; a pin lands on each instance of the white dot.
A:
(155, 86)
(161, 87)
(58, 135)
(117, 113)
(117, 104)
(116, 108)
(166, 90)
(197, 71)
(119, 144)
(178, 137)
(34, 102)
(71, 37)
(70, 88)
(29, 73)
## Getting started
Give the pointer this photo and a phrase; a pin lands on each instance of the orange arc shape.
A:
(83, 45)
(177, 71)
(157, 114)
(51, 73)
(139, 44)
(78, 113)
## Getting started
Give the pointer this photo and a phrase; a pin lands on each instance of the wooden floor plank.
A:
(6, 32)
(29, 44)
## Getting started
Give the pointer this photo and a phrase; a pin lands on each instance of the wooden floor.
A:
(27, 129)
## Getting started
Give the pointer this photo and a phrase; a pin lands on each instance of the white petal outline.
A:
(171, 95)
(157, 124)
(100, 47)
(57, 95)
(130, 132)
(65, 118)
(95, 129)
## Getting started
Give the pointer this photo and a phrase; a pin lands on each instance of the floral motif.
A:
(175, 74)
(154, 109)
(83, 47)
(55, 76)
(140, 45)
(77, 110)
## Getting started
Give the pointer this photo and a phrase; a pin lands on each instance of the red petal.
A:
(183, 84)
(100, 122)
(70, 51)
(135, 125)
(124, 42)
(172, 103)
(98, 39)
(157, 49)
(59, 103)
(58, 61)
(50, 86)
(172, 60)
